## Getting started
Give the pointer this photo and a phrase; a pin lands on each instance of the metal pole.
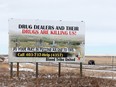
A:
(18, 69)
(81, 69)
(59, 69)
(11, 69)
(36, 69)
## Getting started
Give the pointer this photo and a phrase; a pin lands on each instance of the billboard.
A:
(46, 41)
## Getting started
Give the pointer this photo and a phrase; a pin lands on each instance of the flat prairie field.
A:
(101, 60)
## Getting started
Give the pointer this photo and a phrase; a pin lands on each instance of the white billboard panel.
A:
(46, 41)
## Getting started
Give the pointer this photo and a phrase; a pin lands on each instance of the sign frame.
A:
(58, 41)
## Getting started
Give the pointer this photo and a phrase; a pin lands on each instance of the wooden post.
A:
(11, 69)
(36, 69)
(112, 66)
(59, 69)
(18, 69)
(81, 69)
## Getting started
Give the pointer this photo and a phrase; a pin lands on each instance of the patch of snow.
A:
(101, 70)
(6, 61)
(23, 69)
(109, 77)
(26, 64)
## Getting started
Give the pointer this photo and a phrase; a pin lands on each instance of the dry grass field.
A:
(48, 75)
(102, 60)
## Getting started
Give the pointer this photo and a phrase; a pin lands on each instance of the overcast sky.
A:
(99, 17)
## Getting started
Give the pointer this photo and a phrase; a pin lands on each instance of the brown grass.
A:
(105, 60)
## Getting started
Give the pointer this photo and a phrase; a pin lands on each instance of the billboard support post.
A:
(59, 69)
(81, 69)
(36, 69)
(18, 69)
(11, 69)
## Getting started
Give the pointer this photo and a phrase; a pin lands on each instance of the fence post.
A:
(36, 69)
(11, 69)
(18, 69)
(81, 69)
(59, 69)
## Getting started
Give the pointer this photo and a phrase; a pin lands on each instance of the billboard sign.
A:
(46, 41)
